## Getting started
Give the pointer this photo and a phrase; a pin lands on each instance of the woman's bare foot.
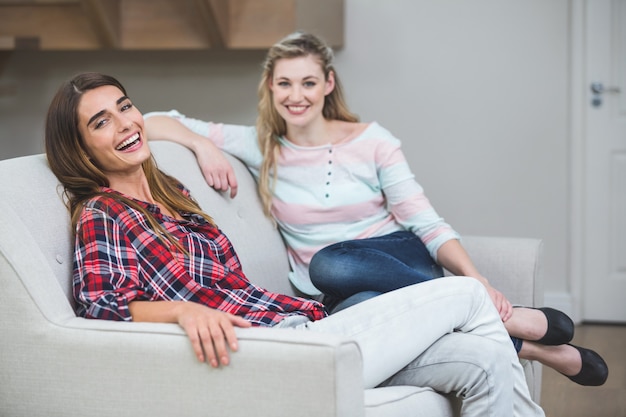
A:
(581, 365)
(527, 323)
(544, 325)
(562, 358)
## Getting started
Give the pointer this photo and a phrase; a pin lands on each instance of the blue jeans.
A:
(353, 271)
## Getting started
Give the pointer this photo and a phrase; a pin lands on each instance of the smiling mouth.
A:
(133, 140)
(296, 109)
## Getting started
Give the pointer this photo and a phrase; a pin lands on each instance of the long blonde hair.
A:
(80, 177)
(270, 125)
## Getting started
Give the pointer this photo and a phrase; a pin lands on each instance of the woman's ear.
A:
(330, 83)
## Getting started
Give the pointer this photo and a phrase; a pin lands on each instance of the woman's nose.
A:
(124, 123)
(296, 94)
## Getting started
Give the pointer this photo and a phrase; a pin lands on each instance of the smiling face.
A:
(112, 131)
(298, 88)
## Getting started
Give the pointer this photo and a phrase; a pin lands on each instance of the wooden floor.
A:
(562, 398)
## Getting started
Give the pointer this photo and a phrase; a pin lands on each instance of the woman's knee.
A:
(478, 356)
(322, 269)
(338, 271)
(471, 366)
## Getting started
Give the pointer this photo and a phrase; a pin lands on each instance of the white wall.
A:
(477, 91)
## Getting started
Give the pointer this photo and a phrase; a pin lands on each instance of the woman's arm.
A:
(412, 209)
(452, 256)
(107, 285)
(211, 332)
(216, 169)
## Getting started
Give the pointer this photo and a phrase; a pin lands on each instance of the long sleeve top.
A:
(358, 188)
(118, 258)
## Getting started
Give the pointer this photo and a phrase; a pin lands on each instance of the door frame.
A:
(577, 171)
(578, 113)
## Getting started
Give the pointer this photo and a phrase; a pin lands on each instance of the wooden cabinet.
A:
(164, 24)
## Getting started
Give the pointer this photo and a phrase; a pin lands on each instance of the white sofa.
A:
(53, 363)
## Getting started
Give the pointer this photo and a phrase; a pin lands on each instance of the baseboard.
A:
(561, 301)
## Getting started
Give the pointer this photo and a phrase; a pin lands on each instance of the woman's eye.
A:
(127, 106)
(283, 84)
(309, 84)
(100, 123)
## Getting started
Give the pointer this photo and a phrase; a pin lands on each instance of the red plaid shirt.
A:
(118, 258)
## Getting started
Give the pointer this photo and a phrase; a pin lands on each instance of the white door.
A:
(604, 229)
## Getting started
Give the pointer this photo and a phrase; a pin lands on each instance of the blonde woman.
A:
(355, 221)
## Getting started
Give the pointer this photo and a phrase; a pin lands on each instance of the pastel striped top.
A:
(360, 187)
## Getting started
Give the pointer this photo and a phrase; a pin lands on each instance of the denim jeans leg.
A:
(380, 264)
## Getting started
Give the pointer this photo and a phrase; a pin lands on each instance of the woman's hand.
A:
(217, 170)
(211, 332)
(452, 256)
(503, 305)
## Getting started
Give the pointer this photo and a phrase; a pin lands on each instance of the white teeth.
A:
(297, 109)
(128, 141)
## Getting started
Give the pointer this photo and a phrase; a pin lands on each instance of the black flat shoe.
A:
(594, 371)
(560, 327)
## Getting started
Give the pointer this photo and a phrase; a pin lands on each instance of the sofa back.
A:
(36, 238)
(35, 235)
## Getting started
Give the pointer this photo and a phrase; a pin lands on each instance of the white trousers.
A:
(445, 334)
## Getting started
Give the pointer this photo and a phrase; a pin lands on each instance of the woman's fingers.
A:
(195, 339)
(217, 170)
(216, 345)
(222, 181)
(211, 333)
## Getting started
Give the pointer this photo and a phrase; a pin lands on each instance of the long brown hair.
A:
(270, 125)
(80, 177)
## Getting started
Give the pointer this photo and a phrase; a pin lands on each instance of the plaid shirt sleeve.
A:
(105, 268)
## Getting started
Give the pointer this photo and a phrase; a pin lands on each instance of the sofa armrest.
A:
(512, 265)
(150, 369)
